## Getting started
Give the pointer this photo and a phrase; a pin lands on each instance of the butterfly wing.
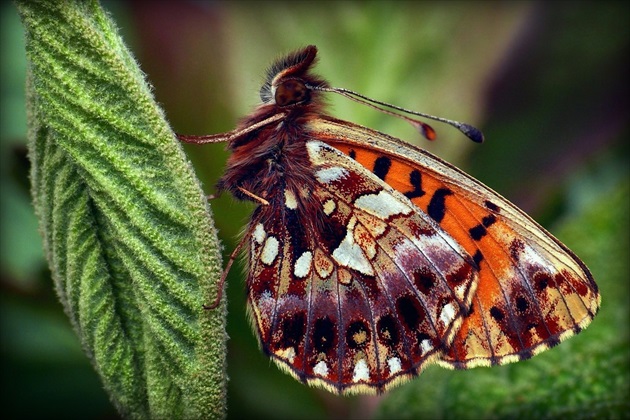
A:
(350, 288)
(532, 293)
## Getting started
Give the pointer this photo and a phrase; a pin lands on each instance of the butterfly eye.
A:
(291, 92)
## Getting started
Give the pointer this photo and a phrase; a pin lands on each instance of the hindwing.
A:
(360, 291)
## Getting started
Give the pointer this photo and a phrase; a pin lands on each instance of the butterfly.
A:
(370, 258)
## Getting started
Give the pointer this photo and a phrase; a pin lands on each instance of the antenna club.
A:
(471, 132)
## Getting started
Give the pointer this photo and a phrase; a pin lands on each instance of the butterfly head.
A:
(289, 81)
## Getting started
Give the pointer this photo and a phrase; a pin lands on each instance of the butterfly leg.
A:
(254, 196)
(230, 135)
(233, 256)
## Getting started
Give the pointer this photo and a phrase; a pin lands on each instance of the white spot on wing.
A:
(328, 175)
(532, 257)
(266, 301)
(270, 250)
(329, 207)
(288, 353)
(303, 264)
(448, 314)
(434, 242)
(350, 255)
(313, 148)
(315, 154)
(394, 365)
(259, 233)
(289, 200)
(382, 205)
(361, 371)
(441, 249)
(321, 369)
(265, 304)
(460, 290)
(426, 346)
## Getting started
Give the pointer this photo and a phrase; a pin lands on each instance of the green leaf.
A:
(127, 231)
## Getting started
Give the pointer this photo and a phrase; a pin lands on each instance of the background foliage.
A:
(547, 83)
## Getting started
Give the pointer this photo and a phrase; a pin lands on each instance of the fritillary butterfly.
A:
(370, 258)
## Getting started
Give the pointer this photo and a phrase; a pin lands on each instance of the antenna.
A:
(425, 129)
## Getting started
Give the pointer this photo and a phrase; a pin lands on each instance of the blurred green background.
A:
(546, 82)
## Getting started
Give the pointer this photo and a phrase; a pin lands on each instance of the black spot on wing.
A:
(497, 313)
(521, 304)
(424, 279)
(358, 335)
(332, 233)
(293, 330)
(491, 206)
(298, 234)
(477, 232)
(409, 312)
(388, 332)
(437, 206)
(415, 178)
(324, 335)
(542, 280)
(480, 231)
(488, 220)
(381, 167)
(478, 257)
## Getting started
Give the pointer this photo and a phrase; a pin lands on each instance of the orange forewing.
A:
(533, 291)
